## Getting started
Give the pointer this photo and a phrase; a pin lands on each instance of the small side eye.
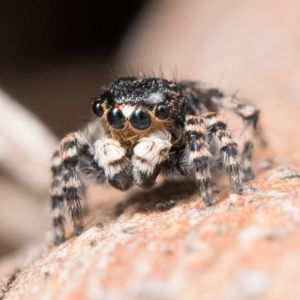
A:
(97, 108)
(116, 118)
(173, 86)
(140, 119)
(162, 112)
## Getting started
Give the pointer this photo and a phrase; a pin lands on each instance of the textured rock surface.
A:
(165, 245)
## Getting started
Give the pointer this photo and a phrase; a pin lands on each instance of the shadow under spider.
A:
(161, 198)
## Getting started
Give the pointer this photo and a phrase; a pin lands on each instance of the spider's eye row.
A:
(116, 118)
(97, 108)
(140, 119)
(162, 112)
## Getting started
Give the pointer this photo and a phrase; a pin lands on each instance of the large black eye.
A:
(162, 112)
(97, 108)
(140, 119)
(116, 118)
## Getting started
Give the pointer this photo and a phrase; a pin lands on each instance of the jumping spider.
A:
(148, 126)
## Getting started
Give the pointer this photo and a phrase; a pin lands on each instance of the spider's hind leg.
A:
(200, 156)
(250, 115)
(201, 99)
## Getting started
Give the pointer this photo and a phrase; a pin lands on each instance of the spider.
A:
(145, 127)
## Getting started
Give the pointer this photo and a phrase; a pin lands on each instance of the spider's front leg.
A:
(57, 198)
(228, 147)
(66, 184)
(200, 156)
(149, 154)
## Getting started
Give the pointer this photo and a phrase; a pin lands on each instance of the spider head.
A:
(132, 107)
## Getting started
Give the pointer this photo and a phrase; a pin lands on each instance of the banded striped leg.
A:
(250, 115)
(201, 98)
(57, 197)
(149, 154)
(72, 148)
(200, 156)
(228, 147)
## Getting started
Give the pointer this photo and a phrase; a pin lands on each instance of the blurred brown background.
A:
(56, 56)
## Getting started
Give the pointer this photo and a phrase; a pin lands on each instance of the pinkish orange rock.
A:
(165, 245)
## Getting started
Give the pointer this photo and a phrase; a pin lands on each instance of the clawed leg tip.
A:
(248, 175)
(59, 240)
(209, 202)
(78, 231)
(238, 188)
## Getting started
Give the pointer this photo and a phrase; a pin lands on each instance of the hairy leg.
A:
(57, 197)
(74, 152)
(201, 99)
(200, 156)
(250, 116)
(71, 147)
(228, 147)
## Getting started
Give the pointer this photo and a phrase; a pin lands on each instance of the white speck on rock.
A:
(248, 235)
(194, 215)
(96, 293)
(253, 282)
(291, 210)
(156, 288)
(248, 284)
(276, 195)
(232, 198)
(194, 244)
(195, 212)
(142, 267)
(285, 173)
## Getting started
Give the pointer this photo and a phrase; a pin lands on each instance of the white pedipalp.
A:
(151, 150)
(108, 153)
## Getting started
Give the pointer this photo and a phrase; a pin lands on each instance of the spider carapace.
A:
(145, 127)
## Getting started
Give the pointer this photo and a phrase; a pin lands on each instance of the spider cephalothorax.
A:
(149, 126)
(132, 108)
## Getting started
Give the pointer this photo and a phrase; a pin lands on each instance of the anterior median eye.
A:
(116, 118)
(162, 112)
(97, 108)
(140, 119)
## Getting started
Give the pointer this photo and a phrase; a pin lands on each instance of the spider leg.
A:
(200, 156)
(71, 147)
(74, 152)
(202, 99)
(149, 154)
(57, 197)
(250, 115)
(111, 157)
(228, 147)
